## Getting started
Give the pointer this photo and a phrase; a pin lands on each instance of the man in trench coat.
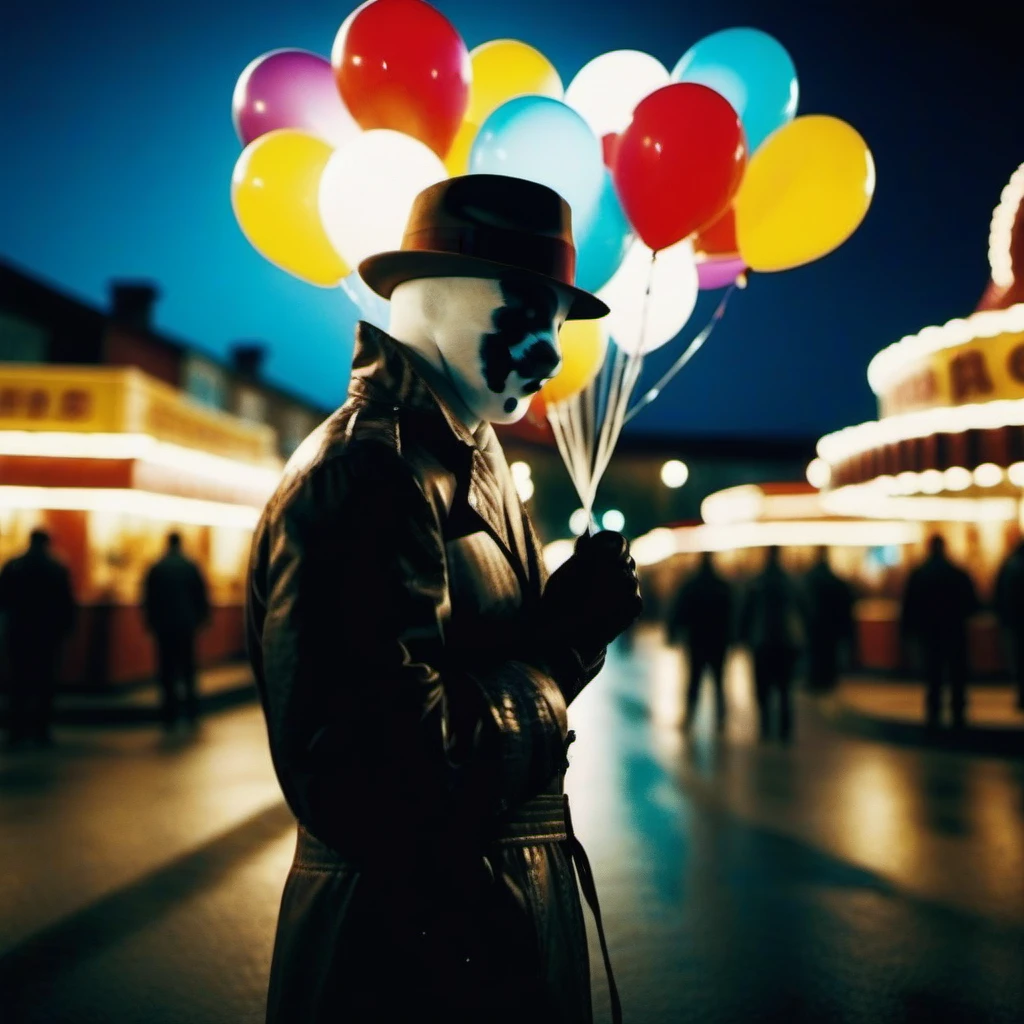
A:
(414, 664)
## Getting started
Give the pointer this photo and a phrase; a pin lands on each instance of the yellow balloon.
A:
(805, 191)
(504, 69)
(583, 344)
(457, 160)
(274, 193)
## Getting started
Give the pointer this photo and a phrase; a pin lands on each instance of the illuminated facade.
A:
(111, 436)
(109, 460)
(946, 455)
(949, 442)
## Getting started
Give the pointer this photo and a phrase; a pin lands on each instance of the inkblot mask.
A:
(497, 339)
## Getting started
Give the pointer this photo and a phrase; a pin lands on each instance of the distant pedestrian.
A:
(938, 603)
(829, 607)
(1009, 602)
(701, 618)
(176, 606)
(38, 605)
(772, 623)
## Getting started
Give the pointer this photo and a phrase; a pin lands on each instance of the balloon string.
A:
(606, 415)
(691, 350)
(554, 414)
(626, 373)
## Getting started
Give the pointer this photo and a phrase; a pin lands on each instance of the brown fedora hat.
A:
(485, 225)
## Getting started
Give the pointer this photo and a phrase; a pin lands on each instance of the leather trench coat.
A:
(412, 713)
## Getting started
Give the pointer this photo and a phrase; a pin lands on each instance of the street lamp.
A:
(522, 475)
(675, 473)
(818, 473)
(578, 522)
(613, 519)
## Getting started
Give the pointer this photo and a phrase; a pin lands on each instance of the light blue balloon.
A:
(752, 70)
(372, 308)
(541, 139)
(602, 238)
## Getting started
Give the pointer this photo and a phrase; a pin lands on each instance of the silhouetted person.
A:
(829, 609)
(39, 606)
(1010, 609)
(701, 617)
(176, 605)
(772, 624)
(938, 602)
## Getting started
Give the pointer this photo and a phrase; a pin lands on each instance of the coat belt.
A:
(543, 819)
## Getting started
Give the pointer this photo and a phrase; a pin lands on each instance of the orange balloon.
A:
(583, 344)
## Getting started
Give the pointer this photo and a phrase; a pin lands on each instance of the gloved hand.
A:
(593, 596)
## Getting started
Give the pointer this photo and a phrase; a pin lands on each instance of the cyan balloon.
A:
(602, 239)
(541, 139)
(372, 308)
(752, 70)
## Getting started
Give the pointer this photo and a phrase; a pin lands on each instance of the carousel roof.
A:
(949, 442)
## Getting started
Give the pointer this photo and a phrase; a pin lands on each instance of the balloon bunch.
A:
(677, 182)
(715, 175)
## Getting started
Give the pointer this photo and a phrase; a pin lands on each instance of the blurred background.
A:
(855, 854)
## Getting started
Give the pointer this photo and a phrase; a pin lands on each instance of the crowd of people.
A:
(792, 626)
(778, 618)
(38, 612)
(788, 622)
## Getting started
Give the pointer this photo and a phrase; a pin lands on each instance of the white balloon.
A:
(606, 91)
(367, 190)
(640, 324)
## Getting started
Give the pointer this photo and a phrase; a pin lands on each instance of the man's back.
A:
(703, 610)
(773, 616)
(939, 599)
(829, 603)
(35, 594)
(175, 598)
(1009, 596)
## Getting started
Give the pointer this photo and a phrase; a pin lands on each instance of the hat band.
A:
(540, 254)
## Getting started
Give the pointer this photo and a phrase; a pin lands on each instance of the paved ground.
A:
(837, 880)
(989, 706)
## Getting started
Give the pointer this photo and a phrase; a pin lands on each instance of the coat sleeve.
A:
(370, 720)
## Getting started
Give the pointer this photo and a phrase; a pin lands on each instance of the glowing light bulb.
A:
(578, 522)
(818, 473)
(675, 473)
(613, 519)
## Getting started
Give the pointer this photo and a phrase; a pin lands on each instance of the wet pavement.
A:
(838, 879)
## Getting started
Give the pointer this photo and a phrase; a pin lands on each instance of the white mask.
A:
(495, 341)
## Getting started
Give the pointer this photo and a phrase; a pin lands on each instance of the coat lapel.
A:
(487, 499)
(382, 370)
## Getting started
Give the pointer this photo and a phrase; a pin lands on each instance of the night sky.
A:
(118, 149)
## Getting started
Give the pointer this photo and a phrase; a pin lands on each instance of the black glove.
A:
(592, 597)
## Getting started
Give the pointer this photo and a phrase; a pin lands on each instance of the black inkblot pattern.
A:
(527, 312)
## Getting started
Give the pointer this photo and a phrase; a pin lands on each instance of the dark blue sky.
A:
(118, 149)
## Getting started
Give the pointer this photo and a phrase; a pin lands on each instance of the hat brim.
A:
(384, 271)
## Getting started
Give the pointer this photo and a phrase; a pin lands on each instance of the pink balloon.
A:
(290, 89)
(719, 273)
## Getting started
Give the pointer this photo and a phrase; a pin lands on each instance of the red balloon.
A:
(401, 64)
(679, 162)
(719, 237)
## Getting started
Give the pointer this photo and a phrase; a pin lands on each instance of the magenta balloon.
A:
(290, 89)
(719, 273)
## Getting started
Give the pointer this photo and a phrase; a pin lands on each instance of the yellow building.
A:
(109, 460)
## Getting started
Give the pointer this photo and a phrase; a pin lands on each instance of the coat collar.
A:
(383, 371)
